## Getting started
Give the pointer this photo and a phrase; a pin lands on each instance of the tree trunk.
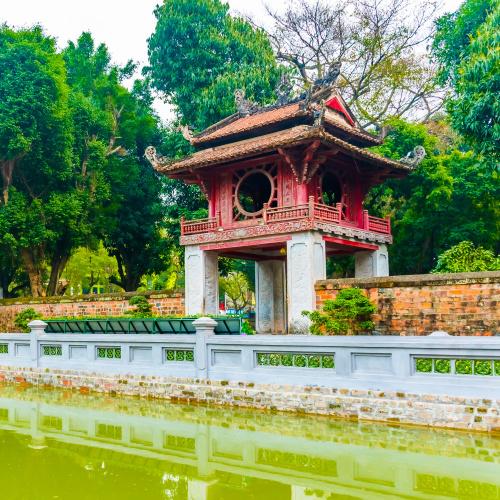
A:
(129, 280)
(32, 264)
(58, 263)
(7, 167)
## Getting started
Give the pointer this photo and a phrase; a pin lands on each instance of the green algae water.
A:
(61, 445)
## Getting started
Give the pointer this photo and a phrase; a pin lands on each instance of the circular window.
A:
(331, 190)
(253, 190)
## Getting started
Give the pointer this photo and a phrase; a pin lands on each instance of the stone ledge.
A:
(411, 280)
(105, 297)
(450, 412)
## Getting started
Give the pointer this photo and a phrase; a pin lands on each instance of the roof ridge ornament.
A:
(244, 106)
(156, 160)
(284, 90)
(414, 157)
(331, 76)
(186, 132)
(319, 114)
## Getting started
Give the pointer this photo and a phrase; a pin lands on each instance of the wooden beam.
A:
(354, 244)
(251, 256)
(262, 243)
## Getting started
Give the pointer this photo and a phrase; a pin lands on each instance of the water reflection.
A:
(62, 445)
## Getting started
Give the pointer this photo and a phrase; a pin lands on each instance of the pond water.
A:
(62, 445)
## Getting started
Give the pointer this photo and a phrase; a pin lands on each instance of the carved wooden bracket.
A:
(291, 161)
(304, 168)
(308, 156)
(202, 182)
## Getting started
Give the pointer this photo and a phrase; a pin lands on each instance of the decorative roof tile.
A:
(238, 124)
(266, 143)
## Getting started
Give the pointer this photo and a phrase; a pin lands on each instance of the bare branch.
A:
(381, 44)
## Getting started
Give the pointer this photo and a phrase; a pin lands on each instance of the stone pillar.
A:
(204, 328)
(37, 328)
(306, 264)
(372, 264)
(270, 296)
(202, 281)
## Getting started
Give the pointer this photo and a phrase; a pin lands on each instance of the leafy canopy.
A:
(465, 257)
(450, 196)
(199, 55)
(467, 48)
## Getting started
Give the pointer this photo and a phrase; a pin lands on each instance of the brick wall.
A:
(163, 302)
(460, 304)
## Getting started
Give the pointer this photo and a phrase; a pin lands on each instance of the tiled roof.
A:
(336, 121)
(235, 124)
(269, 142)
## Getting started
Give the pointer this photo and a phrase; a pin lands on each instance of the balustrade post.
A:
(311, 207)
(204, 328)
(366, 221)
(264, 212)
(37, 328)
(338, 206)
(218, 218)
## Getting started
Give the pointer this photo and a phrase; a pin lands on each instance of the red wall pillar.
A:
(302, 194)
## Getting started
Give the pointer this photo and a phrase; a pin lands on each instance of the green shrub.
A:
(142, 308)
(349, 314)
(246, 328)
(465, 257)
(24, 317)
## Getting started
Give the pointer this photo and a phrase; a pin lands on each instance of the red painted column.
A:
(211, 200)
(302, 194)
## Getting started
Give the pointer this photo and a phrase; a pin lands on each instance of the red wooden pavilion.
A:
(285, 186)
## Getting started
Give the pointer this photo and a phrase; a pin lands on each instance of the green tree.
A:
(450, 196)
(467, 49)
(199, 55)
(78, 130)
(114, 126)
(87, 268)
(465, 257)
(237, 289)
(33, 96)
(38, 202)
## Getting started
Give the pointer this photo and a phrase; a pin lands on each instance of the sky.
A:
(124, 25)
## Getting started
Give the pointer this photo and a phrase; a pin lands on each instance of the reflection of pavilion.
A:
(285, 186)
(200, 458)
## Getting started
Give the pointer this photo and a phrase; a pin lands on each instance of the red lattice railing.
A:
(199, 226)
(285, 213)
(327, 213)
(376, 224)
(311, 211)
